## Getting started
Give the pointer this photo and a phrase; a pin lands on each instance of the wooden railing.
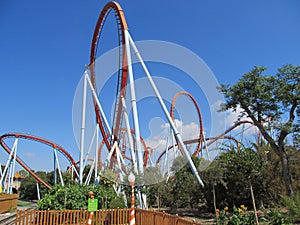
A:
(101, 217)
(8, 202)
(149, 217)
(71, 217)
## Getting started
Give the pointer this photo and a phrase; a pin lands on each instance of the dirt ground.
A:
(202, 221)
(194, 215)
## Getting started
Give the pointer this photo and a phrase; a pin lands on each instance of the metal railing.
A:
(101, 217)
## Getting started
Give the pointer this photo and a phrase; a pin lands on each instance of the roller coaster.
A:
(122, 148)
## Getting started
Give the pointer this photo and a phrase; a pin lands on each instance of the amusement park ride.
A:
(122, 149)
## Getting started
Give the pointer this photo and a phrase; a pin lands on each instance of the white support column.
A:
(90, 147)
(174, 143)
(7, 179)
(108, 158)
(166, 164)
(159, 98)
(94, 93)
(96, 153)
(206, 149)
(88, 179)
(82, 128)
(9, 159)
(133, 158)
(54, 168)
(9, 176)
(58, 167)
(13, 169)
(120, 159)
(74, 170)
(38, 191)
(88, 81)
(134, 106)
(150, 159)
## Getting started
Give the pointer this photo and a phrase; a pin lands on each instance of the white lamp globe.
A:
(131, 178)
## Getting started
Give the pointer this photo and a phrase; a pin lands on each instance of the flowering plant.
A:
(239, 216)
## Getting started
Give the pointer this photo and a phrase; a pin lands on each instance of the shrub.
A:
(239, 216)
(76, 197)
(117, 202)
(293, 205)
(275, 217)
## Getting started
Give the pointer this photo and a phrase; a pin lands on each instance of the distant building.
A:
(17, 180)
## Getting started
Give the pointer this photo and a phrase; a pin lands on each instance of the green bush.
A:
(275, 217)
(76, 197)
(117, 202)
(293, 205)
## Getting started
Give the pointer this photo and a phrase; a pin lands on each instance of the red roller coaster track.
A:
(146, 150)
(37, 139)
(211, 139)
(198, 148)
(123, 70)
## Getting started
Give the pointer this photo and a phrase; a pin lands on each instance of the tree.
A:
(273, 99)
(248, 165)
(28, 188)
(213, 177)
(23, 173)
(242, 170)
(66, 176)
(185, 189)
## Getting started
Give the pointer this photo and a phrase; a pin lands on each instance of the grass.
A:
(24, 203)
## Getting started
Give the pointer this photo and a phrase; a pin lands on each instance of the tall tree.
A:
(28, 188)
(243, 168)
(273, 99)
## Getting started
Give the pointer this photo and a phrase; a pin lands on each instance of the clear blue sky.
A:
(44, 46)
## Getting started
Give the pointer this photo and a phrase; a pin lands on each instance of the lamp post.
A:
(131, 179)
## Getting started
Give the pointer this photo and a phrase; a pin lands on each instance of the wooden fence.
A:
(101, 217)
(8, 202)
(149, 217)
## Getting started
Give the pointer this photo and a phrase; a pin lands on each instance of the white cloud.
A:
(232, 117)
(29, 154)
(216, 106)
(188, 131)
(159, 141)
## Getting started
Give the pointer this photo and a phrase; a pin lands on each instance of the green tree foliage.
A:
(273, 182)
(273, 99)
(180, 190)
(152, 175)
(67, 178)
(229, 176)
(232, 170)
(292, 203)
(28, 187)
(213, 177)
(108, 178)
(23, 173)
(159, 195)
(154, 191)
(274, 185)
(185, 190)
(76, 197)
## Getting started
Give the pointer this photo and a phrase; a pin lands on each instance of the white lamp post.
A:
(131, 179)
